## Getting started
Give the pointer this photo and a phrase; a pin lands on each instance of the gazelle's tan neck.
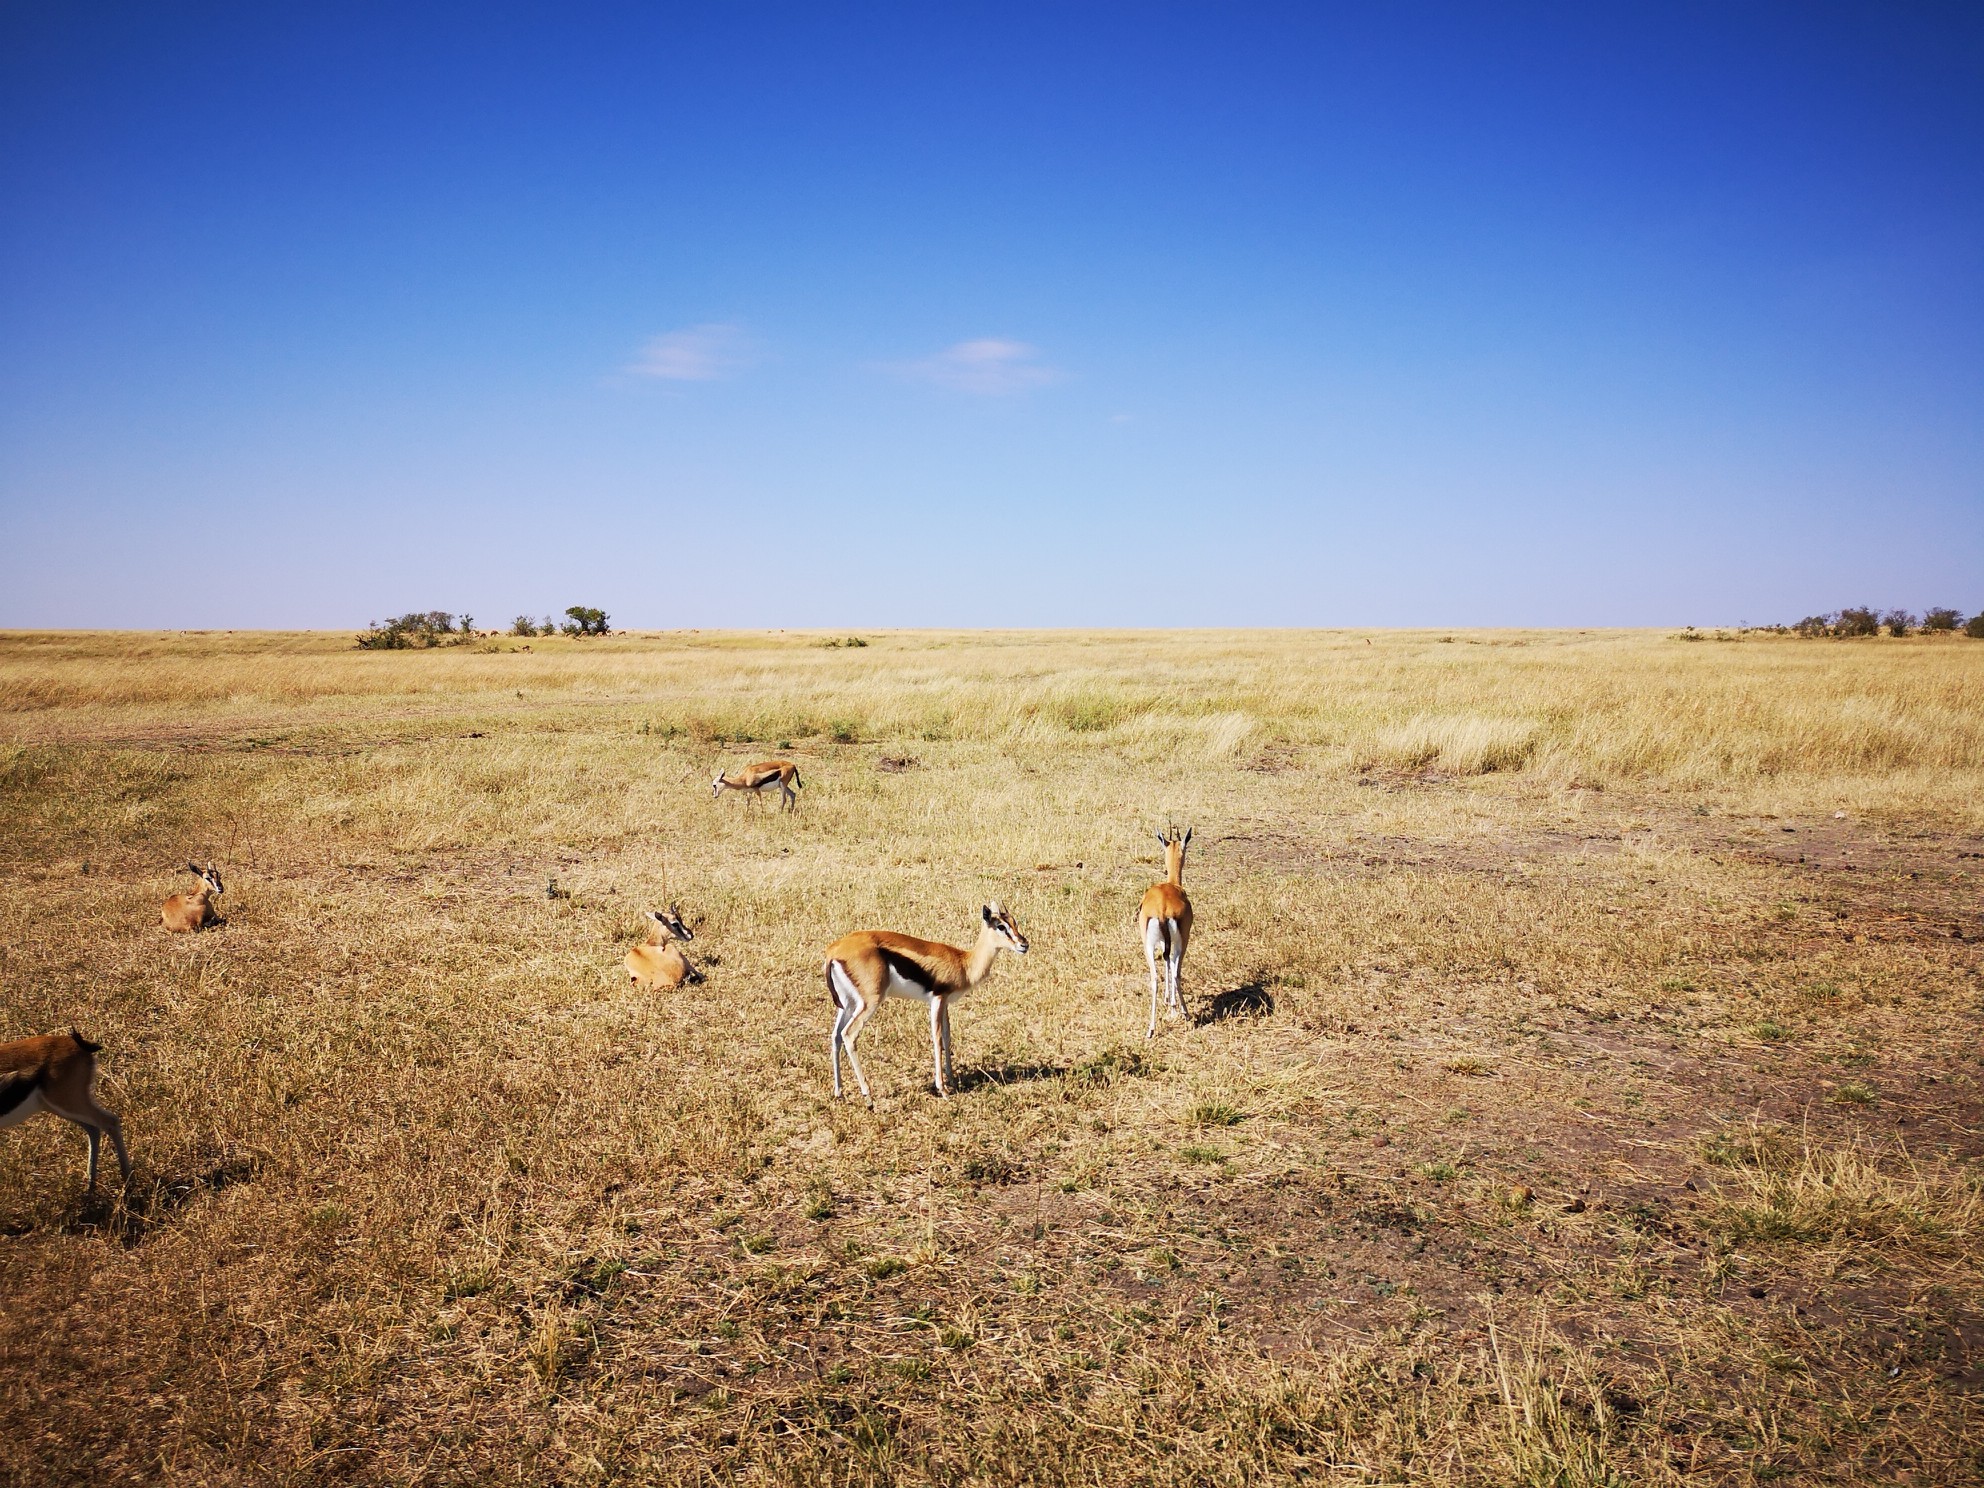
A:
(984, 950)
(1174, 865)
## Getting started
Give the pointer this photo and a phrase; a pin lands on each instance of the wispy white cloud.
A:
(698, 353)
(990, 367)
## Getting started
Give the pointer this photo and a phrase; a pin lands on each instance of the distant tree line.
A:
(1868, 621)
(423, 628)
(580, 620)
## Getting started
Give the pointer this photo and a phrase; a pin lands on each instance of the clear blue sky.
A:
(933, 314)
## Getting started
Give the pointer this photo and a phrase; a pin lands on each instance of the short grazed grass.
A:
(1581, 1081)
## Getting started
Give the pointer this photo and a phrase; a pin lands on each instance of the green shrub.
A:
(1942, 619)
(1975, 629)
(417, 629)
(584, 620)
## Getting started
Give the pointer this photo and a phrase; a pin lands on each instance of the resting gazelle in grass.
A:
(869, 965)
(195, 911)
(1164, 924)
(657, 963)
(782, 775)
(54, 1073)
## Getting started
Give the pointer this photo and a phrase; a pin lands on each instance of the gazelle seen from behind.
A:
(657, 963)
(780, 775)
(1164, 924)
(869, 965)
(55, 1073)
(195, 911)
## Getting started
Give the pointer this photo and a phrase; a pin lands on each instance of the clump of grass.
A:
(1853, 1093)
(1467, 1064)
(1771, 1031)
(1195, 1153)
(883, 1267)
(1842, 1194)
(1209, 1113)
(1469, 744)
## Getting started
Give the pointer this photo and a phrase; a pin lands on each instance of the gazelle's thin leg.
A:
(852, 1032)
(96, 1141)
(1176, 969)
(950, 1074)
(1152, 930)
(840, 1023)
(937, 1043)
(116, 1129)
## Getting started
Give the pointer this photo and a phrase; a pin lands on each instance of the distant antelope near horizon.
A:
(763, 776)
(656, 962)
(54, 1072)
(1164, 925)
(185, 913)
(869, 965)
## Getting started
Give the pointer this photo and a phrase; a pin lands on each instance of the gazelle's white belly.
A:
(25, 1109)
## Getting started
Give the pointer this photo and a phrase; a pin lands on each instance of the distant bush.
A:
(1867, 621)
(839, 641)
(523, 625)
(1860, 622)
(1975, 629)
(417, 629)
(584, 620)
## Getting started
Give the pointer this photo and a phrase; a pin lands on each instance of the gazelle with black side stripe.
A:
(55, 1073)
(869, 965)
(779, 775)
(1164, 925)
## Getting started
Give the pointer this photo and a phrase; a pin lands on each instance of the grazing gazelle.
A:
(869, 965)
(658, 964)
(1164, 924)
(54, 1073)
(782, 775)
(195, 911)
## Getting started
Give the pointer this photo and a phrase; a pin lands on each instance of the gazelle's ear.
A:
(1188, 834)
(1162, 840)
(985, 913)
(193, 868)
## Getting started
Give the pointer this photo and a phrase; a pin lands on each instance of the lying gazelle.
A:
(656, 963)
(869, 965)
(54, 1073)
(761, 777)
(195, 911)
(1164, 924)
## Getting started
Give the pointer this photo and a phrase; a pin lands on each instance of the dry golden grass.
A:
(1573, 1098)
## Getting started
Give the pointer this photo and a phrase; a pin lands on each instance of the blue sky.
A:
(1072, 314)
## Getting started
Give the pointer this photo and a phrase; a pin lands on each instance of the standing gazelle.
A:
(657, 963)
(54, 1073)
(763, 776)
(194, 911)
(1164, 924)
(869, 965)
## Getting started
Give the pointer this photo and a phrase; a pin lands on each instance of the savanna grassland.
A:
(1582, 1082)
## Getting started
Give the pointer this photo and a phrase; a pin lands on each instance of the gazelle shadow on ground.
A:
(1004, 1074)
(128, 1215)
(1250, 1000)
